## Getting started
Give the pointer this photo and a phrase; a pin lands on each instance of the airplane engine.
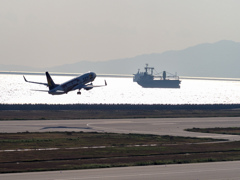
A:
(88, 88)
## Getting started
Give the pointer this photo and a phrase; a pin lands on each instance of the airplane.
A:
(80, 82)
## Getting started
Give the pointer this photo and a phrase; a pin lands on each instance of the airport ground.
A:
(161, 122)
(173, 144)
(198, 171)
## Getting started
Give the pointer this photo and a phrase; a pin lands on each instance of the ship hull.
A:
(160, 84)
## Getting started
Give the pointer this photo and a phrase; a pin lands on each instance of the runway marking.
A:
(91, 147)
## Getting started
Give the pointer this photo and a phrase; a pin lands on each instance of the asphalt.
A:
(200, 171)
(159, 126)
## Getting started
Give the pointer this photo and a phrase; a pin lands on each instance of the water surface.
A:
(14, 90)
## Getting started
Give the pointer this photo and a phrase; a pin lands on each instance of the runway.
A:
(200, 171)
(159, 126)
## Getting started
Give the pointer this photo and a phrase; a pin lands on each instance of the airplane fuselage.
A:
(80, 82)
(73, 84)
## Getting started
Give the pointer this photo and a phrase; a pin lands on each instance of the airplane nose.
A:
(93, 75)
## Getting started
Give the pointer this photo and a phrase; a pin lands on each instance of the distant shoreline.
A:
(119, 107)
(111, 75)
(110, 111)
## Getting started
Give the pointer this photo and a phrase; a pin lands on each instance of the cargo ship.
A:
(148, 80)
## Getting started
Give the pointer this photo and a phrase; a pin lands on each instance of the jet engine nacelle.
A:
(88, 88)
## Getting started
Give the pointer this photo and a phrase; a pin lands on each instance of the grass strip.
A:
(120, 150)
(111, 114)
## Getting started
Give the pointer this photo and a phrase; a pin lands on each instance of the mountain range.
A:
(220, 59)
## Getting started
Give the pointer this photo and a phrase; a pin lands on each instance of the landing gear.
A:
(78, 93)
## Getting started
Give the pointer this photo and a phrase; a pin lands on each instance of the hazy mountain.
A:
(221, 59)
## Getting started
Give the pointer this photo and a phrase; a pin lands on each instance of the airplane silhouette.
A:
(80, 82)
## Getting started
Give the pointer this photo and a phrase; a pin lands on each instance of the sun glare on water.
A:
(119, 91)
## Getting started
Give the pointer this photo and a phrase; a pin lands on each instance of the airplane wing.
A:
(90, 86)
(39, 90)
(35, 82)
(86, 86)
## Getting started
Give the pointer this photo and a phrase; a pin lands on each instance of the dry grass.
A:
(112, 114)
(112, 150)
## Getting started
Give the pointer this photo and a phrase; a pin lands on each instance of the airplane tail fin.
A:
(51, 83)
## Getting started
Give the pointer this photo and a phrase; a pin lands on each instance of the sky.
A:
(46, 33)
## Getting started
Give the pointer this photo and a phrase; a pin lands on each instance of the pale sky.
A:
(45, 33)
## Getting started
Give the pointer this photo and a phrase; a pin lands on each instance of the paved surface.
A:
(200, 171)
(168, 126)
(160, 126)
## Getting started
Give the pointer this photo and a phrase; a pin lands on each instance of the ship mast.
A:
(149, 68)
